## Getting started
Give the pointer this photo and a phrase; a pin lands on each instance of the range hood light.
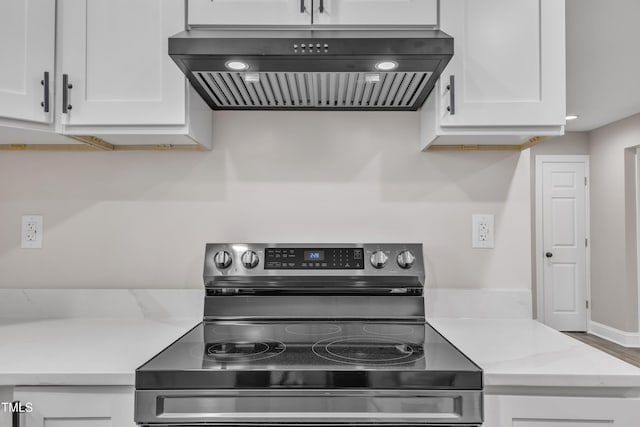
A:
(237, 65)
(372, 78)
(572, 117)
(251, 77)
(386, 65)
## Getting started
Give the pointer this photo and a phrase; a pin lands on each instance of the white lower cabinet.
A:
(554, 411)
(58, 406)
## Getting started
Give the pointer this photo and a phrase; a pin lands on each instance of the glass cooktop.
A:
(310, 355)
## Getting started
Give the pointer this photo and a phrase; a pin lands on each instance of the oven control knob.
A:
(378, 259)
(222, 259)
(406, 259)
(250, 259)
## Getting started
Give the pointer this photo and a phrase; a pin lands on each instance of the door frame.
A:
(638, 230)
(539, 247)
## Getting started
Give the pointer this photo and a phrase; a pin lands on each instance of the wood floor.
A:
(629, 355)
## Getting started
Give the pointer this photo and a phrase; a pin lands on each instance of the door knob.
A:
(548, 254)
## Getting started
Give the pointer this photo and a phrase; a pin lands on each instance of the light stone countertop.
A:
(82, 351)
(523, 352)
(106, 351)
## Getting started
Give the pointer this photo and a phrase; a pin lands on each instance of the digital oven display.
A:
(282, 258)
(314, 255)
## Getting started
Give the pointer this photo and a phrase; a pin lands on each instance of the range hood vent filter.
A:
(295, 90)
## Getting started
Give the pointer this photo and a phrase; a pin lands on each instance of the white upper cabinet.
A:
(508, 62)
(380, 12)
(115, 57)
(249, 12)
(113, 83)
(508, 72)
(307, 12)
(27, 47)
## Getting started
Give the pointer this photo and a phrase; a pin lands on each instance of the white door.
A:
(379, 12)
(509, 63)
(77, 406)
(27, 49)
(249, 12)
(115, 54)
(562, 242)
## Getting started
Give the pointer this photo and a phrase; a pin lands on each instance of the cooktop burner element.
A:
(310, 335)
(358, 350)
(245, 350)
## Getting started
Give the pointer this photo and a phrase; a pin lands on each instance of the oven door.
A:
(249, 407)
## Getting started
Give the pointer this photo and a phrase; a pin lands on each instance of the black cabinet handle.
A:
(302, 6)
(451, 87)
(16, 415)
(66, 87)
(45, 83)
(321, 6)
(548, 254)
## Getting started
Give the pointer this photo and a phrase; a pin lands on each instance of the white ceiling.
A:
(603, 61)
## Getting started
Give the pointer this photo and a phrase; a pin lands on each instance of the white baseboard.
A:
(625, 339)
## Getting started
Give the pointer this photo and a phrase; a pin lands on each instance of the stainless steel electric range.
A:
(304, 334)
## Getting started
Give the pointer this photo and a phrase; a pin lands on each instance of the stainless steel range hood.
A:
(312, 69)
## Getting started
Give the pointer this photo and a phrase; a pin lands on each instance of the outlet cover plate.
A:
(482, 235)
(31, 231)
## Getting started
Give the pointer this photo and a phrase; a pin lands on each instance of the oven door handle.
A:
(17, 414)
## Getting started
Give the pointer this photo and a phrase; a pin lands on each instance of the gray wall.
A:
(613, 189)
(141, 219)
(613, 224)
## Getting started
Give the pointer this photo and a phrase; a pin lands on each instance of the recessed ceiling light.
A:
(386, 65)
(572, 117)
(237, 65)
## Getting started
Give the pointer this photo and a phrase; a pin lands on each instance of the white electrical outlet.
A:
(31, 231)
(482, 231)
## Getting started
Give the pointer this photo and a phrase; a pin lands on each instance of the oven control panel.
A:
(314, 258)
(276, 262)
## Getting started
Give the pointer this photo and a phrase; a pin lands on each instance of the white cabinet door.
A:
(249, 12)
(554, 411)
(509, 63)
(116, 56)
(375, 12)
(27, 48)
(77, 406)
